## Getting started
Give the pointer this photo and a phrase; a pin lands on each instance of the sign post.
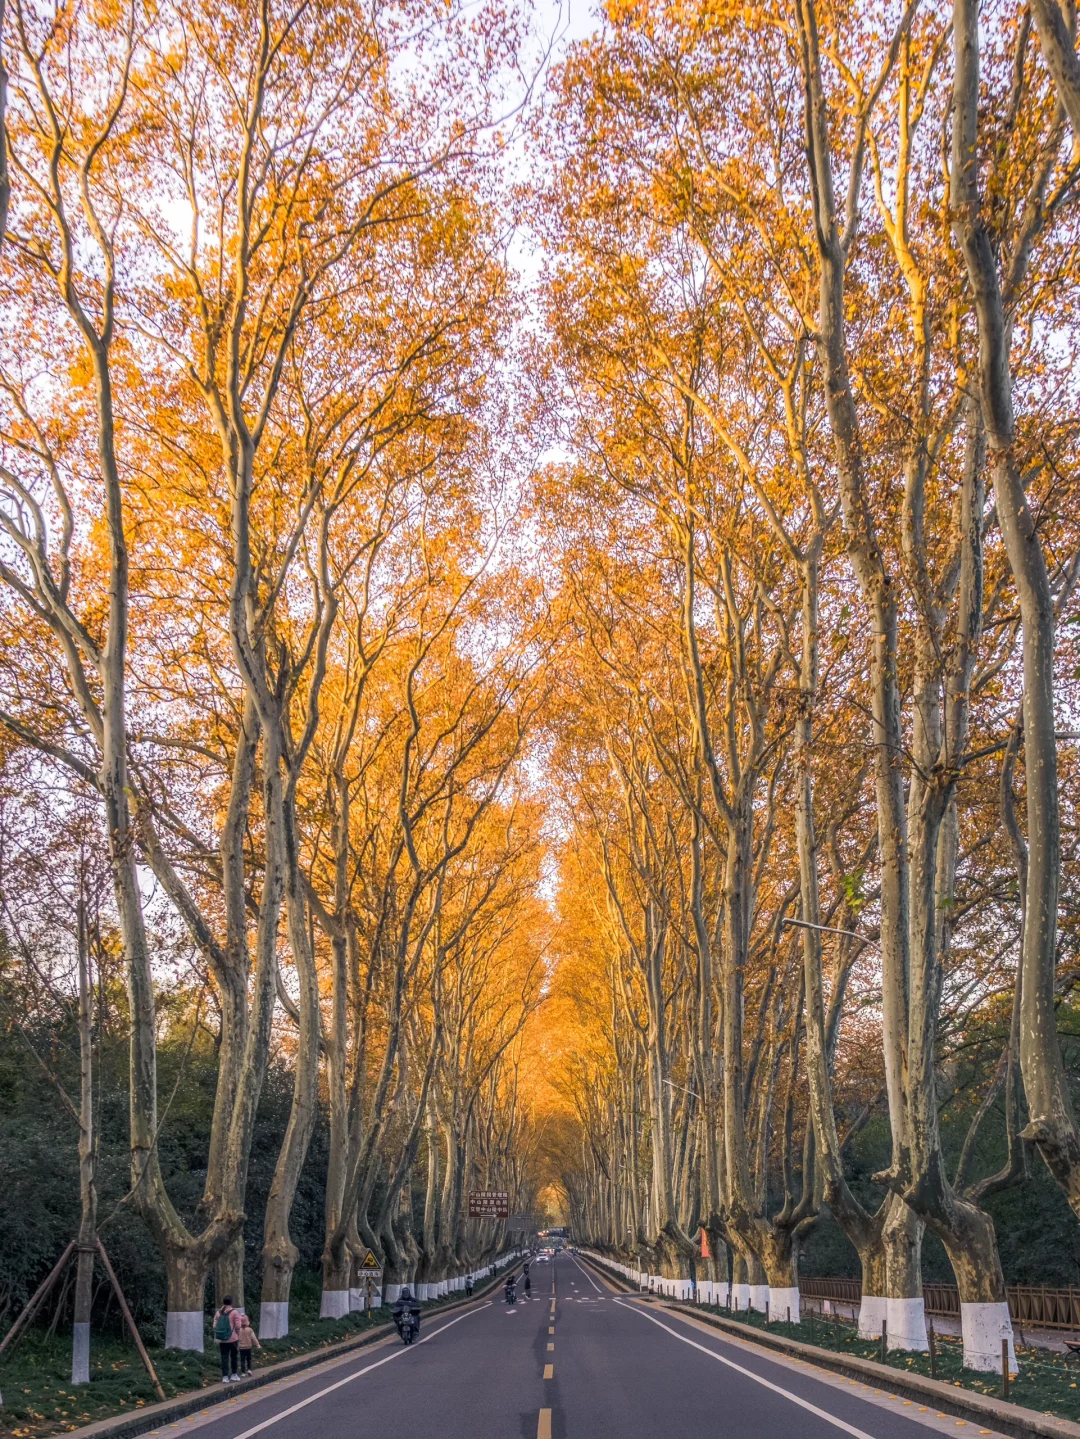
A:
(371, 1274)
(489, 1204)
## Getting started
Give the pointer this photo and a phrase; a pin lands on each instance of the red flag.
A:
(705, 1245)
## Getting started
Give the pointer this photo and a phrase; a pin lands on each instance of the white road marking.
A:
(294, 1408)
(586, 1273)
(749, 1373)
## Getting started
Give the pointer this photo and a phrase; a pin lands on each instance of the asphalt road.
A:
(577, 1361)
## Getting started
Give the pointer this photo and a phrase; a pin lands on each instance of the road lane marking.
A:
(749, 1373)
(549, 1371)
(543, 1428)
(303, 1403)
(586, 1273)
(550, 1348)
(551, 1329)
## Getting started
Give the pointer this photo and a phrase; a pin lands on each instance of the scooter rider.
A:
(510, 1289)
(406, 1304)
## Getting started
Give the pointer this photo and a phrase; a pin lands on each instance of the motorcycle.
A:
(410, 1327)
(511, 1294)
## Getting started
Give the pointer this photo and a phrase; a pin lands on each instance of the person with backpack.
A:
(226, 1330)
(246, 1341)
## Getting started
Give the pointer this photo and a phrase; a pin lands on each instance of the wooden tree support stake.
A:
(37, 1298)
(1004, 1369)
(154, 1380)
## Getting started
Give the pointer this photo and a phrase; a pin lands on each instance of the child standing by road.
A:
(245, 1343)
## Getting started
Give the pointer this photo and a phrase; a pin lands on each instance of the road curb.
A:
(152, 1416)
(1011, 1419)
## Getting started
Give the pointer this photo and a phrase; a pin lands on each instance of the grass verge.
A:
(39, 1399)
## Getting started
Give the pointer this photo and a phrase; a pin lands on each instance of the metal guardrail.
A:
(1032, 1305)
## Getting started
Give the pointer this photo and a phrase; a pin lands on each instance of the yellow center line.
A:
(549, 1371)
(543, 1428)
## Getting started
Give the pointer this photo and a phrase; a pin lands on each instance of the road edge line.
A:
(787, 1394)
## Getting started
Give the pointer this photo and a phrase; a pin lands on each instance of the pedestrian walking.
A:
(468, 1285)
(226, 1329)
(246, 1341)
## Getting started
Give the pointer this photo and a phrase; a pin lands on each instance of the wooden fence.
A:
(1030, 1305)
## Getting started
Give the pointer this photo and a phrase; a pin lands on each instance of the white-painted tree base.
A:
(984, 1326)
(740, 1297)
(334, 1304)
(759, 1297)
(873, 1308)
(393, 1292)
(356, 1300)
(80, 1354)
(784, 1303)
(273, 1319)
(184, 1329)
(826, 1306)
(906, 1320)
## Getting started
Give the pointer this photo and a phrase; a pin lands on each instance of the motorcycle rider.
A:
(406, 1304)
(510, 1289)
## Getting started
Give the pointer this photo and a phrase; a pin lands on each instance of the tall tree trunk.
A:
(84, 1278)
(1052, 1120)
